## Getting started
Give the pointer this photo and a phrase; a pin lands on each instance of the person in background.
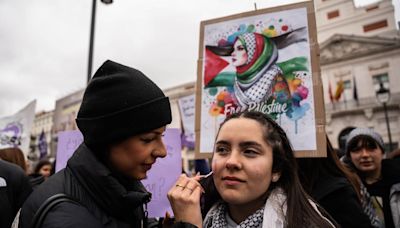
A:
(44, 168)
(342, 141)
(14, 189)
(41, 172)
(14, 155)
(381, 177)
(122, 117)
(335, 188)
(254, 181)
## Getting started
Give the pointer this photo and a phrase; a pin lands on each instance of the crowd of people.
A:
(257, 181)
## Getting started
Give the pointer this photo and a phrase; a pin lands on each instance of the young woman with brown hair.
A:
(254, 182)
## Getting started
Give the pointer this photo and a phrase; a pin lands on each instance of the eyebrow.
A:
(155, 132)
(222, 142)
(249, 143)
(241, 145)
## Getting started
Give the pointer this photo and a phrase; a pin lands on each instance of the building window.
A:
(381, 78)
(347, 84)
(375, 25)
(333, 14)
(347, 93)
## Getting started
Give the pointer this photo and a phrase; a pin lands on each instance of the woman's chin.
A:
(232, 198)
(137, 176)
(141, 176)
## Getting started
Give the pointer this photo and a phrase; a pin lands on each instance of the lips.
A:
(147, 166)
(366, 163)
(231, 180)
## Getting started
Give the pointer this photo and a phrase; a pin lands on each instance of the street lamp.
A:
(383, 96)
(92, 36)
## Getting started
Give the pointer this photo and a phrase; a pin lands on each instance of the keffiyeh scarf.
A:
(218, 218)
(259, 89)
(254, 80)
(272, 215)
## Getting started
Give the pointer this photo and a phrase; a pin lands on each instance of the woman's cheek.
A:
(216, 164)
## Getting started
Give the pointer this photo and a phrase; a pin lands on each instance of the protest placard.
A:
(187, 111)
(164, 173)
(265, 60)
(15, 130)
(67, 143)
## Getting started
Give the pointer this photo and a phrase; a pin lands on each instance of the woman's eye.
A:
(240, 48)
(147, 140)
(221, 150)
(250, 152)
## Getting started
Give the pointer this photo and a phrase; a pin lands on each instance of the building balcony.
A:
(367, 106)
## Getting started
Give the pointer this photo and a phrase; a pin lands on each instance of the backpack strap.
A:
(47, 205)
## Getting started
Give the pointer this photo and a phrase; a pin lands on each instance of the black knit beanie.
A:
(118, 103)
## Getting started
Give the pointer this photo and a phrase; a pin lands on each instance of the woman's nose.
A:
(161, 150)
(364, 153)
(233, 161)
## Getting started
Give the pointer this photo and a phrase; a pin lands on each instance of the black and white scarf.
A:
(272, 215)
(218, 218)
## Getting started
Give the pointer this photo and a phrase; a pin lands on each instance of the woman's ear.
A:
(275, 177)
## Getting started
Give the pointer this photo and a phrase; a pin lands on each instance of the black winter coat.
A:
(390, 176)
(337, 196)
(14, 189)
(106, 200)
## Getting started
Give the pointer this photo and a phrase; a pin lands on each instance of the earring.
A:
(275, 177)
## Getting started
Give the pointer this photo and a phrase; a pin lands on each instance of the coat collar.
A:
(118, 196)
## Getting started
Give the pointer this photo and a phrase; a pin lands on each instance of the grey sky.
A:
(44, 43)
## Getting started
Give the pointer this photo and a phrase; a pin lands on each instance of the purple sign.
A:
(163, 175)
(68, 141)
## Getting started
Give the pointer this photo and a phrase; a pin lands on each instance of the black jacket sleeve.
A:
(70, 215)
(22, 190)
(344, 207)
(14, 189)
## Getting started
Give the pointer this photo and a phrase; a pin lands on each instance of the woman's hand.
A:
(184, 197)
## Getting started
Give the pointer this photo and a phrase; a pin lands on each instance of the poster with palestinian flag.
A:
(265, 60)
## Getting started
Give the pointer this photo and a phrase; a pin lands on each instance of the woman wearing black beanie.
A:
(122, 117)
